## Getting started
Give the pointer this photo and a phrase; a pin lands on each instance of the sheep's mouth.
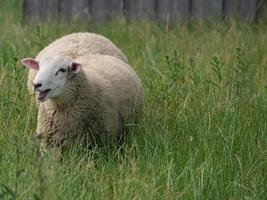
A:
(43, 94)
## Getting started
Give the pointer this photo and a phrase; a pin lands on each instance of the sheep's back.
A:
(80, 44)
(76, 45)
(123, 82)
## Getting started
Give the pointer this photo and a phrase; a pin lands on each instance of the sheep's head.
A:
(52, 75)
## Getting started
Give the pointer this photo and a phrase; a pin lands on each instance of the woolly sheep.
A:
(75, 45)
(90, 97)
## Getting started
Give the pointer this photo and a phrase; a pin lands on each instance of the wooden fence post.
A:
(106, 9)
(214, 9)
(70, 9)
(261, 9)
(207, 9)
(31, 9)
(163, 10)
(49, 8)
(197, 9)
(140, 9)
(231, 8)
(248, 9)
(172, 10)
(114, 8)
(98, 8)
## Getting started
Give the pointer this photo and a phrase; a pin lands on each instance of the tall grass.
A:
(203, 134)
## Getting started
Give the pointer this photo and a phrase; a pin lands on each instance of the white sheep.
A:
(90, 97)
(76, 45)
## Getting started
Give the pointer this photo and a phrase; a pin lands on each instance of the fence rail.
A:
(161, 10)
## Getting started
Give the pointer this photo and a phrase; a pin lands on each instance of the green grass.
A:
(203, 134)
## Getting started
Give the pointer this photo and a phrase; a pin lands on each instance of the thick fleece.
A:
(95, 104)
(76, 45)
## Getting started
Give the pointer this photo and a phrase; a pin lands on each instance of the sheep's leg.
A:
(121, 132)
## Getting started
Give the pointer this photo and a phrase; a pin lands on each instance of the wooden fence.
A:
(161, 10)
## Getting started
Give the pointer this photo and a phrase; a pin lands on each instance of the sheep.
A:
(75, 45)
(89, 98)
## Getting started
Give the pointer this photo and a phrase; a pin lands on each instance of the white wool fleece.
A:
(96, 95)
(76, 45)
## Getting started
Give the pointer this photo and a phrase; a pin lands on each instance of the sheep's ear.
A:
(30, 63)
(75, 67)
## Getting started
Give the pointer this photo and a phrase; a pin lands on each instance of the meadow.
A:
(203, 133)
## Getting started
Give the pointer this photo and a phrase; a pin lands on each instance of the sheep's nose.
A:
(36, 86)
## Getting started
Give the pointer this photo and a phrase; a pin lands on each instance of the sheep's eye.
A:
(61, 70)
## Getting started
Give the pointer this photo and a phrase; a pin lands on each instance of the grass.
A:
(203, 134)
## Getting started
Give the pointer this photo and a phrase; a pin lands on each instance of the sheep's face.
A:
(51, 76)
